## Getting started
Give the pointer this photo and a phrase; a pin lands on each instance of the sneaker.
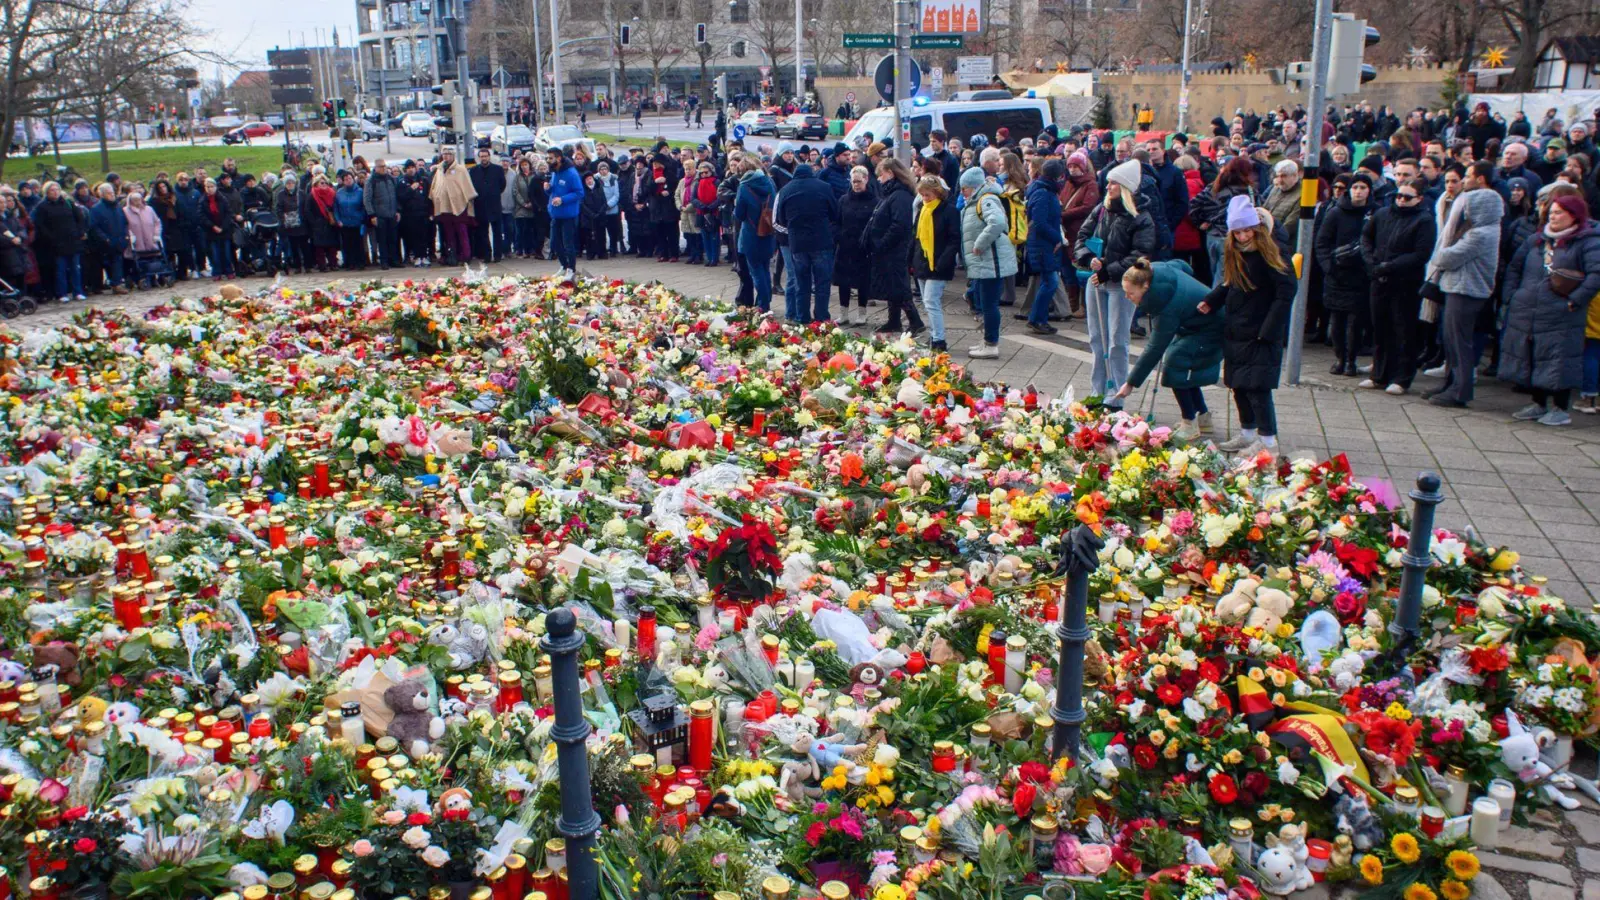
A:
(1556, 417)
(939, 347)
(1187, 431)
(1367, 383)
(1445, 400)
(1395, 389)
(1529, 413)
(1436, 371)
(1236, 443)
(1588, 406)
(1363, 370)
(1203, 422)
(1254, 449)
(984, 351)
(79, 297)
(1042, 329)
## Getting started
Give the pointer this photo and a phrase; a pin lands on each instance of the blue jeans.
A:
(69, 276)
(1191, 402)
(760, 280)
(112, 263)
(220, 251)
(791, 289)
(933, 304)
(1110, 314)
(564, 242)
(1214, 245)
(812, 274)
(711, 238)
(1591, 367)
(988, 291)
(1043, 298)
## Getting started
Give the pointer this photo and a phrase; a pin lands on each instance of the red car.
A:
(248, 130)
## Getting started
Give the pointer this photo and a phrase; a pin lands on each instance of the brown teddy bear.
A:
(414, 725)
(64, 657)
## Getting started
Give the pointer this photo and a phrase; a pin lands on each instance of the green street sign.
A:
(885, 41)
(937, 42)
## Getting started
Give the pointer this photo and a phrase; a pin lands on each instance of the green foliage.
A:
(1102, 113)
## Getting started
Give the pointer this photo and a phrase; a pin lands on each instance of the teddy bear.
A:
(451, 440)
(414, 725)
(121, 714)
(863, 676)
(467, 645)
(64, 657)
(1258, 606)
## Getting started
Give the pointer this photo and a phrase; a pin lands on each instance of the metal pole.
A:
(469, 144)
(538, 68)
(1081, 555)
(578, 823)
(1417, 558)
(902, 76)
(799, 44)
(383, 102)
(1183, 86)
(433, 38)
(555, 61)
(1320, 50)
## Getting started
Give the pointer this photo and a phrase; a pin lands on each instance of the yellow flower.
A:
(1419, 891)
(1452, 889)
(1372, 869)
(1398, 712)
(1405, 847)
(1462, 864)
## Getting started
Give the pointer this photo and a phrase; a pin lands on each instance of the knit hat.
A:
(1372, 163)
(1081, 158)
(875, 148)
(1053, 170)
(1242, 213)
(1126, 174)
(972, 178)
(840, 148)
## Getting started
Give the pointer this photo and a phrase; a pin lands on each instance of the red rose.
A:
(1144, 755)
(1349, 606)
(1033, 772)
(1223, 789)
(1170, 694)
(74, 813)
(1022, 800)
(1256, 784)
(1488, 659)
(85, 845)
(418, 818)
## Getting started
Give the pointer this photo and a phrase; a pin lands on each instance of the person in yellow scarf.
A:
(452, 194)
(933, 253)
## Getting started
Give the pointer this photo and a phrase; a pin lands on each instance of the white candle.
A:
(1504, 794)
(805, 672)
(1108, 609)
(1485, 829)
(623, 629)
(1016, 662)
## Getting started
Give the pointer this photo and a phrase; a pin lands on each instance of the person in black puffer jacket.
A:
(1255, 296)
(852, 269)
(1395, 245)
(63, 232)
(888, 235)
(1344, 287)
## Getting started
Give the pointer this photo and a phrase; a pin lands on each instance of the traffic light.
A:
(343, 113)
(624, 33)
(721, 87)
(328, 117)
(1346, 70)
(700, 33)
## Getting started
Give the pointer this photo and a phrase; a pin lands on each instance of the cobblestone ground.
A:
(1523, 484)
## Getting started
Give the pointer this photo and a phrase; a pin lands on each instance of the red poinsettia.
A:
(1488, 659)
(1223, 788)
(1361, 560)
(1387, 736)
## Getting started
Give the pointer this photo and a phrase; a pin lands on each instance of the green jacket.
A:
(1190, 341)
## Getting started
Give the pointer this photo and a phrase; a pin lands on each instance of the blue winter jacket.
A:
(808, 210)
(188, 204)
(350, 206)
(1043, 201)
(108, 223)
(755, 191)
(566, 184)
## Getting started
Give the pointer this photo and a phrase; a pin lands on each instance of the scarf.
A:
(452, 192)
(1554, 236)
(925, 230)
(322, 195)
(1450, 229)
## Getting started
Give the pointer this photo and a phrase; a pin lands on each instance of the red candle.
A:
(319, 479)
(261, 726)
(727, 439)
(997, 657)
(702, 734)
(277, 534)
(983, 507)
(758, 422)
(646, 640)
(916, 662)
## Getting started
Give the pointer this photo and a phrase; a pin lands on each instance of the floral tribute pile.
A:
(277, 568)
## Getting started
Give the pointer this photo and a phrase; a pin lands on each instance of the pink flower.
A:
(621, 815)
(815, 832)
(394, 817)
(851, 827)
(362, 847)
(1094, 858)
(707, 638)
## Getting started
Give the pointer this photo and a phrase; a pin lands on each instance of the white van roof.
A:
(880, 121)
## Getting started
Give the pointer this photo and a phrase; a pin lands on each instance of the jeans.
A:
(1214, 245)
(388, 232)
(1456, 327)
(1591, 367)
(760, 280)
(523, 233)
(933, 303)
(1256, 411)
(112, 262)
(564, 242)
(791, 289)
(220, 251)
(711, 240)
(813, 278)
(1043, 298)
(988, 290)
(1110, 315)
(69, 276)
(1191, 402)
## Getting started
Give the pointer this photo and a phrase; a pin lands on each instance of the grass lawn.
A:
(638, 139)
(142, 165)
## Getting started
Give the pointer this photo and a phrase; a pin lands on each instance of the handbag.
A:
(1432, 302)
(1564, 281)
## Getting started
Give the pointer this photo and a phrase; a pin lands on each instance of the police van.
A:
(960, 119)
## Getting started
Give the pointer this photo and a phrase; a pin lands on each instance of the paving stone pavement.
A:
(1532, 487)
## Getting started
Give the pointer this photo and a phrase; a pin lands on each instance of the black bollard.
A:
(1080, 555)
(578, 823)
(1418, 557)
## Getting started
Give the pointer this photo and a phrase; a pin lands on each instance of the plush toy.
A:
(414, 725)
(1282, 871)
(467, 644)
(92, 709)
(64, 657)
(1343, 851)
(12, 671)
(1355, 821)
(1521, 752)
(866, 675)
(450, 440)
(455, 805)
(121, 714)
(1259, 607)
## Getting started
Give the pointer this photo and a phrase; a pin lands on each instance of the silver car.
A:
(566, 137)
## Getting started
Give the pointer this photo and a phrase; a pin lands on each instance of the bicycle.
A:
(64, 175)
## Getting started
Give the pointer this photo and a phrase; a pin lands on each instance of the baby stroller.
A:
(151, 269)
(15, 302)
(256, 239)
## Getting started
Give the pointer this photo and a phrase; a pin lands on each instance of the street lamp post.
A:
(1183, 87)
(555, 60)
(538, 69)
(799, 56)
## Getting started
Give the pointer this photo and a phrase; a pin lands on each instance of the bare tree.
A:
(772, 21)
(39, 37)
(1529, 22)
(662, 41)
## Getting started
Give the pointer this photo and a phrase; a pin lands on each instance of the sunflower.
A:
(1452, 889)
(1372, 869)
(1405, 848)
(1463, 865)
(1419, 891)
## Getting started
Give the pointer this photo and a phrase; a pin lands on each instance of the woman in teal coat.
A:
(1184, 338)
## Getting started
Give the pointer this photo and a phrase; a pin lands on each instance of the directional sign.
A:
(388, 81)
(289, 77)
(284, 59)
(883, 77)
(881, 41)
(289, 96)
(937, 42)
(738, 132)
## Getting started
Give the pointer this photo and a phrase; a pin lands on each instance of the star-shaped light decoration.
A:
(1250, 61)
(1419, 57)
(1494, 57)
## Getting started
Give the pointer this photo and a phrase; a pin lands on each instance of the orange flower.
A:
(852, 468)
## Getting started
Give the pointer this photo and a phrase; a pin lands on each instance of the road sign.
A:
(299, 58)
(951, 16)
(288, 96)
(936, 82)
(974, 69)
(194, 98)
(849, 96)
(878, 41)
(883, 77)
(501, 78)
(738, 132)
(389, 81)
(288, 77)
(937, 42)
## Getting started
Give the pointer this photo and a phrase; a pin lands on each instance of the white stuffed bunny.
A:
(1282, 871)
(1520, 752)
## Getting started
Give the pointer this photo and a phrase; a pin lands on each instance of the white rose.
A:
(435, 856)
(416, 837)
(359, 446)
(163, 639)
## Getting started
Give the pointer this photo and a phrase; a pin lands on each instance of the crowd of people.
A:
(1454, 240)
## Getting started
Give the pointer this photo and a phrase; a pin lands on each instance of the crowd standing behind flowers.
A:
(278, 563)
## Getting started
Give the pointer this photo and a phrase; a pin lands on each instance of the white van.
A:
(960, 119)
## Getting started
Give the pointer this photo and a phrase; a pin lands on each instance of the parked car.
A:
(369, 131)
(372, 115)
(416, 123)
(506, 139)
(567, 137)
(248, 131)
(481, 132)
(802, 126)
(758, 121)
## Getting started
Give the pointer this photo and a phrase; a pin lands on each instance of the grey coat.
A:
(1543, 341)
(378, 197)
(1467, 266)
(523, 185)
(988, 251)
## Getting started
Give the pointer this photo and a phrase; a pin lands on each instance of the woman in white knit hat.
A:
(1114, 236)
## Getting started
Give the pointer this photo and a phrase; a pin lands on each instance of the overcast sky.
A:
(247, 29)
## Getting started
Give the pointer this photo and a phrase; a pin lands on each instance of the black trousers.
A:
(666, 239)
(1256, 410)
(417, 233)
(352, 246)
(481, 246)
(641, 237)
(388, 234)
(1349, 328)
(1394, 332)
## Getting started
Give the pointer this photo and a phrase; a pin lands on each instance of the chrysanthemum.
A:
(1372, 869)
(1405, 847)
(1463, 865)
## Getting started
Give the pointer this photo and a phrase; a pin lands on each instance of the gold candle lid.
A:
(835, 890)
(775, 887)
